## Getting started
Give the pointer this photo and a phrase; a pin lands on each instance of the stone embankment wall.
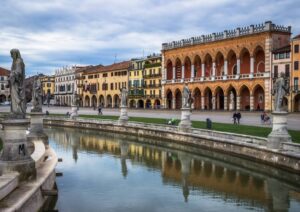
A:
(250, 147)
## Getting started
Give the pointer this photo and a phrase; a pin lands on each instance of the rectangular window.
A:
(288, 55)
(104, 75)
(287, 70)
(104, 86)
(296, 84)
(111, 86)
(296, 48)
(281, 56)
(276, 56)
(296, 65)
(275, 71)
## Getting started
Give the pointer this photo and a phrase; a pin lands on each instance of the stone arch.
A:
(116, 101)
(219, 64)
(244, 94)
(197, 66)
(197, 98)
(187, 68)
(132, 103)
(219, 98)
(109, 101)
(207, 98)
(231, 64)
(245, 61)
(231, 98)
(169, 70)
(169, 96)
(101, 101)
(94, 101)
(178, 99)
(87, 101)
(259, 59)
(156, 104)
(259, 97)
(140, 103)
(297, 103)
(2, 98)
(178, 69)
(208, 65)
(148, 104)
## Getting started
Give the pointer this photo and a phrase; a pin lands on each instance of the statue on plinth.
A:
(76, 99)
(187, 97)
(124, 94)
(231, 104)
(280, 89)
(17, 85)
(37, 95)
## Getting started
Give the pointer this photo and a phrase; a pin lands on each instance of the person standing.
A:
(100, 110)
(238, 117)
(234, 117)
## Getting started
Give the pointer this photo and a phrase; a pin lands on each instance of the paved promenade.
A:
(248, 118)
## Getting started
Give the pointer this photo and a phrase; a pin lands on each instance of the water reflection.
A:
(200, 174)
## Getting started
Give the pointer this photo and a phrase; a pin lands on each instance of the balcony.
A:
(295, 89)
(152, 76)
(153, 86)
(153, 96)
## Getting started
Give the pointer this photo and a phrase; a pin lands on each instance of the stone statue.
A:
(37, 95)
(231, 98)
(186, 100)
(280, 89)
(17, 85)
(124, 94)
(213, 102)
(75, 100)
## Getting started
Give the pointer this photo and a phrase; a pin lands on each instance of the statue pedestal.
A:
(231, 107)
(74, 112)
(36, 131)
(123, 119)
(279, 132)
(15, 155)
(185, 122)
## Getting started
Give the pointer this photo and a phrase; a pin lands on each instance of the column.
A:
(225, 70)
(202, 102)
(202, 71)
(238, 68)
(182, 73)
(164, 75)
(213, 71)
(173, 103)
(251, 102)
(213, 102)
(238, 101)
(192, 73)
(225, 103)
(251, 67)
(173, 74)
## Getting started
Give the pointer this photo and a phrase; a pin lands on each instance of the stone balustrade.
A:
(248, 30)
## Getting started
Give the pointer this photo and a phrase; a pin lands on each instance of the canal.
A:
(113, 172)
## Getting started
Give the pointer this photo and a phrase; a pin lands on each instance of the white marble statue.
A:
(17, 86)
(124, 94)
(186, 98)
(280, 89)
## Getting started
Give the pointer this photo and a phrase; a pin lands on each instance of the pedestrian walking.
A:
(238, 117)
(100, 110)
(234, 117)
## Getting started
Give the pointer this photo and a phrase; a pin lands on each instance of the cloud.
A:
(56, 33)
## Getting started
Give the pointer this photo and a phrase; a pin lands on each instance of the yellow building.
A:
(152, 81)
(295, 74)
(102, 84)
(136, 83)
(48, 84)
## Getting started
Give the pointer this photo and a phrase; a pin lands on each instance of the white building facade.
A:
(65, 85)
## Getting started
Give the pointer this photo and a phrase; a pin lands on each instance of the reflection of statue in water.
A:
(37, 95)
(124, 94)
(17, 85)
(280, 89)
(187, 99)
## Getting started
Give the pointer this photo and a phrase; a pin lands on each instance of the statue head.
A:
(15, 54)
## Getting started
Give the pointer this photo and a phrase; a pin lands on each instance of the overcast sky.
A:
(55, 33)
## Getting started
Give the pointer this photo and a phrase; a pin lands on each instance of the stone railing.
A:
(252, 29)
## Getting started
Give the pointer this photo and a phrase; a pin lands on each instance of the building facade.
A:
(48, 85)
(136, 84)
(230, 70)
(102, 84)
(4, 89)
(152, 81)
(65, 85)
(295, 75)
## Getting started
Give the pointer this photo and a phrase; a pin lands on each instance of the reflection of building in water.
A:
(192, 173)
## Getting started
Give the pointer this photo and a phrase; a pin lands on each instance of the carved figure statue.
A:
(280, 89)
(124, 94)
(186, 100)
(17, 85)
(37, 95)
(75, 100)
(213, 102)
(231, 98)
